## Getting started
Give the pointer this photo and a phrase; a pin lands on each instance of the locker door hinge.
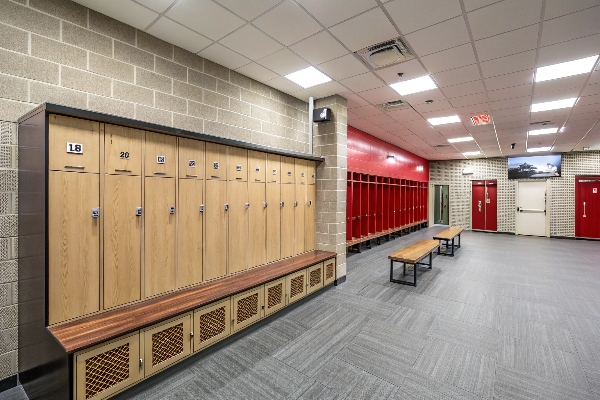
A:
(96, 212)
(201, 207)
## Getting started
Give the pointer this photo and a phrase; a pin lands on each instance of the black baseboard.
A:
(497, 232)
(575, 238)
(340, 280)
(8, 383)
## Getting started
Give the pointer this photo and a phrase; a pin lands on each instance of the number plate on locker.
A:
(74, 148)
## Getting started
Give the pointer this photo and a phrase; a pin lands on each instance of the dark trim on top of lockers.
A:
(51, 108)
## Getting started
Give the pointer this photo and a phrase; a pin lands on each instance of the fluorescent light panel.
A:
(444, 120)
(471, 153)
(414, 85)
(553, 105)
(461, 139)
(308, 77)
(544, 131)
(536, 149)
(569, 68)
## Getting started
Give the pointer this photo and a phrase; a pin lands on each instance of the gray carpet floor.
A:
(507, 318)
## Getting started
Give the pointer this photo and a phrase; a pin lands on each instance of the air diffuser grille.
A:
(385, 54)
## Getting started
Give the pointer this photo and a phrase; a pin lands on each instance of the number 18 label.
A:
(74, 148)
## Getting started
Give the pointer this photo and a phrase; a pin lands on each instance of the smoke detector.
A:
(393, 105)
(385, 54)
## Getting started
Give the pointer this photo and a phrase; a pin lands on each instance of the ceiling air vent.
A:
(385, 54)
(393, 105)
(441, 145)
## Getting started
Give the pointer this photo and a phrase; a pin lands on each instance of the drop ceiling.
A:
(482, 55)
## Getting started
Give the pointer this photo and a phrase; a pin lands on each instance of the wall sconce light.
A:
(420, 168)
(390, 156)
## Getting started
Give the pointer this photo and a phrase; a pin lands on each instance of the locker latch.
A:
(172, 210)
(238, 167)
(141, 362)
(310, 202)
(295, 204)
(281, 204)
(138, 211)
(302, 174)
(215, 165)
(247, 206)
(257, 169)
(265, 205)
(226, 207)
(289, 173)
(191, 334)
(201, 207)
(95, 212)
(274, 172)
(313, 175)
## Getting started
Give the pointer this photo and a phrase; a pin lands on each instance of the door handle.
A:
(479, 205)
(584, 216)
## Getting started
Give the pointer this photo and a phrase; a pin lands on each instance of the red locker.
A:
(349, 209)
(386, 204)
(364, 206)
(356, 219)
(491, 205)
(478, 205)
(587, 206)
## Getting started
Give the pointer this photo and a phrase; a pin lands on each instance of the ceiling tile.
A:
(476, 109)
(440, 105)
(248, 9)
(126, 11)
(589, 100)
(422, 97)
(283, 62)
(222, 55)
(572, 26)
(410, 16)
(331, 12)
(509, 80)
(393, 126)
(355, 100)
(366, 111)
(591, 90)
(568, 51)
(405, 115)
(379, 29)
(324, 89)
(463, 89)
(595, 77)
(178, 35)
(457, 76)
(449, 59)
(157, 5)
(511, 103)
(510, 93)
(508, 64)
(362, 82)
(564, 88)
(512, 111)
(250, 42)
(504, 16)
(380, 119)
(427, 41)
(284, 84)
(287, 23)
(410, 70)
(343, 67)
(319, 48)
(508, 43)
(380, 95)
(257, 72)
(205, 17)
(468, 100)
(558, 8)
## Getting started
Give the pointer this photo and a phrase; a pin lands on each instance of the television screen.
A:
(534, 166)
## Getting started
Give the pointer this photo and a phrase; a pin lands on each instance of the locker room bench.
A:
(448, 235)
(412, 254)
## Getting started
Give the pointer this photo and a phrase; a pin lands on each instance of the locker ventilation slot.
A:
(315, 277)
(329, 271)
(212, 324)
(274, 297)
(167, 344)
(106, 370)
(247, 308)
(297, 286)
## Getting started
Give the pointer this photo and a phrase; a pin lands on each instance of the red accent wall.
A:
(368, 155)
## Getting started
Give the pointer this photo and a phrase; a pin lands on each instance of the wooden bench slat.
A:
(449, 233)
(411, 254)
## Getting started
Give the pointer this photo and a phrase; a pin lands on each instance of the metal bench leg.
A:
(391, 270)
(368, 243)
(459, 240)
(452, 247)
(379, 240)
(415, 274)
(430, 259)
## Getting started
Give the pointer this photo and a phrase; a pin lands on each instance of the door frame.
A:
(548, 203)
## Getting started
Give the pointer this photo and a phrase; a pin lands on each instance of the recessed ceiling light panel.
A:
(471, 153)
(416, 85)
(444, 120)
(569, 68)
(461, 139)
(308, 77)
(536, 149)
(553, 105)
(544, 131)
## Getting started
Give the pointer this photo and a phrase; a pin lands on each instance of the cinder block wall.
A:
(59, 51)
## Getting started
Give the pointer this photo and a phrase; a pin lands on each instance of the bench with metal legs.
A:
(448, 236)
(412, 255)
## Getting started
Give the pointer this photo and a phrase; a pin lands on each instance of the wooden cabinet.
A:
(310, 218)
(287, 170)
(287, 220)
(123, 150)
(273, 168)
(238, 164)
(159, 236)
(258, 224)
(74, 219)
(212, 323)
(73, 144)
(311, 172)
(216, 161)
(274, 210)
(215, 238)
(328, 271)
(299, 215)
(239, 204)
(295, 286)
(108, 368)
(122, 239)
(274, 295)
(257, 166)
(190, 229)
(247, 308)
(314, 278)
(191, 159)
(166, 343)
(300, 170)
(160, 155)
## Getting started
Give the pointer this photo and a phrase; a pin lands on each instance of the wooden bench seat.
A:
(392, 231)
(412, 254)
(95, 329)
(448, 235)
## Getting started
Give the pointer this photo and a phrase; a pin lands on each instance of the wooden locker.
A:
(299, 215)
(314, 278)
(287, 170)
(122, 239)
(237, 198)
(247, 308)
(301, 169)
(73, 245)
(238, 164)
(257, 166)
(166, 343)
(274, 211)
(310, 218)
(295, 286)
(160, 155)
(107, 368)
(73, 144)
(311, 172)
(258, 224)
(191, 158)
(159, 236)
(123, 150)
(215, 237)
(216, 161)
(190, 225)
(328, 271)
(287, 220)
(273, 168)
(274, 296)
(212, 323)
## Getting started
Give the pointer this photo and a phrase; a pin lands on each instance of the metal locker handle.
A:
(265, 205)
(281, 204)
(479, 205)
(171, 209)
(122, 170)
(310, 202)
(191, 334)
(226, 207)
(201, 207)
(95, 212)
(216, 177)
(584, 216)
(138, 211)
(141, 362)
(247, 206)
(75, 166)
(239, 178)
(191, 176)
(295, 204)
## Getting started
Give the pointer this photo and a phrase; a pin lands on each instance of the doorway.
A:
(441, 205)
(484, 205)
(587, 207)
(531, 208)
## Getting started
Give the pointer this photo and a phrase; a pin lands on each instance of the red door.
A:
(478, 205)
(587, 206)
(491, 205)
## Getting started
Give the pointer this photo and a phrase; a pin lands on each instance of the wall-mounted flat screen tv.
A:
(534, 167)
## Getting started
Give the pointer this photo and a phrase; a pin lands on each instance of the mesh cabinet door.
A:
(274, 296)
(212, 323)
(247, 308)
(328, 271)
(314, 278)
(295, 286)
(107, 368)
(166, 343)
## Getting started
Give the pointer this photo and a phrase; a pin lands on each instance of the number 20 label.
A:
(74, 148)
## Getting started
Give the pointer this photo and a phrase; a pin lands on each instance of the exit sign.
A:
(482, 119)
